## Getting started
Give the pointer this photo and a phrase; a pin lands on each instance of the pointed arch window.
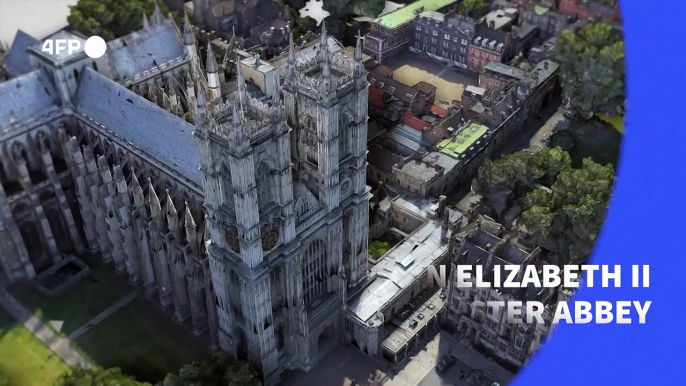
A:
(227, 190)
(265, 189)
(314, 271)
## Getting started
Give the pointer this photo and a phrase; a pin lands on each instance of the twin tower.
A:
(283, 161)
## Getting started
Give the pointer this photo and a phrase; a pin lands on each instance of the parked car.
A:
(445, 363)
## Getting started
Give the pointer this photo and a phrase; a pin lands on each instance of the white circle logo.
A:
(95, 47)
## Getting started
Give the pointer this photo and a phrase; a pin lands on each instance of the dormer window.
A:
(391, 89)
(434, 33)
(419, 27)
(447, 37)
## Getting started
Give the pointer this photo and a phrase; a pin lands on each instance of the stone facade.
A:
(482, 243)
(258, 246)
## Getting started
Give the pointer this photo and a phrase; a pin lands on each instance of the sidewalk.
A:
(59, 345)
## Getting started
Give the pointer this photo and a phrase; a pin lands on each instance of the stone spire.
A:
(188, 220)
(290, 72)
(237, 136)
(211, 64)
(213, 77)
(358, 48)
(200, 97)
(188, 38)
(240, 85)
(146, 22)
(157, 17)
(154, 200)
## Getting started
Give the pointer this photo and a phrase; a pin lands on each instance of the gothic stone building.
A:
(252, 225)
(482, 243)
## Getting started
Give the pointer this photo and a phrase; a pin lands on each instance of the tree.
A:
(370, 8)
(304, 25)
(592, 68)
(566, 219)
(113, 18)
(96, 377)
(378, 248)
(473, 8)
(503, 183)
(218, 371)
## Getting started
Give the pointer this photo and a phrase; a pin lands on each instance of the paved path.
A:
(59, 345)
(100, 317)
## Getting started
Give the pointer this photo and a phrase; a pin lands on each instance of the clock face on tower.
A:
(270, 236)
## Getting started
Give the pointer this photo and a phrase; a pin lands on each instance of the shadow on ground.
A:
(140, 338)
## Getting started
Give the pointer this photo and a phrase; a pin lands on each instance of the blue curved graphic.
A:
(644, 222)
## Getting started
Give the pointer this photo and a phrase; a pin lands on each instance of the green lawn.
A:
(616, 122)
(79, 304)
(25, 360)
(143, 341)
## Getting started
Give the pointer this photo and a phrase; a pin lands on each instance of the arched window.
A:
(227, 190)
(345, 137)
(314, 271)
(265, 193)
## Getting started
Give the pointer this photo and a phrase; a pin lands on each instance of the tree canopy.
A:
(567, 218)
(473, 8)
(592, 68)
(96, 377)
(370, 8)
(217, 371)
(564, 218)
(113, 18)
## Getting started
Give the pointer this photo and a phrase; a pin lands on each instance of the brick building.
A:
(391, 33)
(590, 9)
(443, 37)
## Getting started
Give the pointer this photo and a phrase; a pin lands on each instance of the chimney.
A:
(442, 205)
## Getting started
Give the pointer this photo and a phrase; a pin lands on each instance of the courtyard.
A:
(346, 363)
(412, 68)
(107, 322)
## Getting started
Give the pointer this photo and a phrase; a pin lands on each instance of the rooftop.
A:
(463, 140)
(404, 329)
(305, 53)
(504, 69)
(17, 59)
(140, 51)
(402, 265)
(408, 13)
(160, 135)
(26, 97)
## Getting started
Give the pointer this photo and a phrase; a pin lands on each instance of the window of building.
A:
(447, 37)
(464, 42)
(455, 39)
(462, 50)
(433, 50)
(391, 89)
(433, 40)
(417, 35)
(417, 45)
(434, 33)
(419, 27)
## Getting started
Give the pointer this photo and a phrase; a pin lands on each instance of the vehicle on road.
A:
(445, 363)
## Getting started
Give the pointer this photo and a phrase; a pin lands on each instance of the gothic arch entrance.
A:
(327, 341)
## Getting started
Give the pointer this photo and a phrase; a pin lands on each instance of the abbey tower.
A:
(286, 203)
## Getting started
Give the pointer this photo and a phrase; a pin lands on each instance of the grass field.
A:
(25, 360)
(616, 122)
(141, 340)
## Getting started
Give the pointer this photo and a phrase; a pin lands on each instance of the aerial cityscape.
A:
(279, 192)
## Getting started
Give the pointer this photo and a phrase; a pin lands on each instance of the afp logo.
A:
(94, 47)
